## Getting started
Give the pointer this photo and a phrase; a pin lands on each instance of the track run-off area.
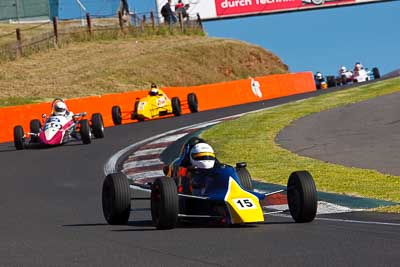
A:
(51, 215)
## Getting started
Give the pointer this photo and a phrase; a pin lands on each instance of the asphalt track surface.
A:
(50, 206)
(364, 135)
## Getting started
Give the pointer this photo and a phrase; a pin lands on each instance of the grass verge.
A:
(252, 138)
(15, 101)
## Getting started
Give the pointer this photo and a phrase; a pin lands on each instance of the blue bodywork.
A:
(215, 182)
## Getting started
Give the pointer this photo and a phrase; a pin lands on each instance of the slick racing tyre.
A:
(134, 115)
(176, 106)
(85, 132)
(116, 115)
(376, 73)
(192, 102)
(35, 126)
(97, 125)
(19, 137)
(302, 196)
(164, 203)
(244, 177)
(116, 199)
(331, 81)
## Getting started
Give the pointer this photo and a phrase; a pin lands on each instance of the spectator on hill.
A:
(181, 8)
(168, 14)
(179, 5)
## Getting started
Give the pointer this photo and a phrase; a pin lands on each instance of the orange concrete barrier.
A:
(209, 96)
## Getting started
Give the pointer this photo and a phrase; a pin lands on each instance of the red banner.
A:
(234, 7)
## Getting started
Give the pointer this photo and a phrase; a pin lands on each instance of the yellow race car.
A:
(154, 105)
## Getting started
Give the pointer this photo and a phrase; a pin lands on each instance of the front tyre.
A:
(97, 125)
(19, 137)
(245, 178)
(35, 126)
(116, 115)
(86, 135)
(164, 203)
(116, 199)
(302, 196)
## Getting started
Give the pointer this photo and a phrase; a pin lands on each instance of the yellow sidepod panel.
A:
(244, 207)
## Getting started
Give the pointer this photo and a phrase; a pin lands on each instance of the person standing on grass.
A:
(168, 14)
(179, 5)
(181, 8)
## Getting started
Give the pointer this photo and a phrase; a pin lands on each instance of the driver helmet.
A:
(358, 66)
(60, 108)
(153, 90)
(202, 156)
(318, 75)
(343, 69)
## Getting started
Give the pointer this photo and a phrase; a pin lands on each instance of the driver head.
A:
(153, 89)
(202, 156)
(60, 108)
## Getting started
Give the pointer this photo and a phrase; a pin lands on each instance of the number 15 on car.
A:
(244, 203)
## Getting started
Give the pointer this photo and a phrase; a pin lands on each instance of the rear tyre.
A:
(176, 106)
(245, 178)
(97, 125)
(116, 199)
(164, 203)
(86, 135)
(19, 137)
(376, 73)
(192, 101)
(116, 115)
(302, 196)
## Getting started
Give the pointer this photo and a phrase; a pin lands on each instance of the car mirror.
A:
(241, 165)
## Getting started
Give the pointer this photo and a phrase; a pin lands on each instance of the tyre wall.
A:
(209, 96)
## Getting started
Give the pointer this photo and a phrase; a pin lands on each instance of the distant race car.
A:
(222, 195)
(154, 106)
(356, 76)
(58, 130)
(320, 82)
(364, 75)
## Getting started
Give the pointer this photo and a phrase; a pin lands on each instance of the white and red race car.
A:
(59, 129)
(361, 74)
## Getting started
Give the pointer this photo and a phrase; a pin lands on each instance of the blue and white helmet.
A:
(202, 156)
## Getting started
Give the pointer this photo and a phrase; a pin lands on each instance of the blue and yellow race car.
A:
(222, 195)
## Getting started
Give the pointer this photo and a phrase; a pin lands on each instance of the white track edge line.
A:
(344, 220)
